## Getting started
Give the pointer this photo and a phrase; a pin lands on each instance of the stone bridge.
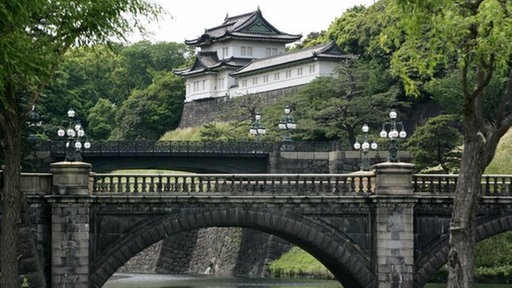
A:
(385, 228)
(215, 156)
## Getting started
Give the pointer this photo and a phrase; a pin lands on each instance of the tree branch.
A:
(506, 102)
(483, 80)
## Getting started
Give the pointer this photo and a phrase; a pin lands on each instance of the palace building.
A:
(247, 55)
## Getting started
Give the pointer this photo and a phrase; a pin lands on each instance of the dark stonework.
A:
(221, 109)
(257, 250)
(176, 252)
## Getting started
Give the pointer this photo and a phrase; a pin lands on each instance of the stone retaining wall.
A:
(221, 109)
(230, 251)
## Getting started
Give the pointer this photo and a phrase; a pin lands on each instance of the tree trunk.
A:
(463, 222)
(11, 209)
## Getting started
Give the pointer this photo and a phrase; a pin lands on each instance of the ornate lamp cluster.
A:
(257, 127)
(365, 147)
(75, 133)
(287, 123)
(390, 130)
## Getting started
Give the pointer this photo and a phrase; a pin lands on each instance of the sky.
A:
(187, 19)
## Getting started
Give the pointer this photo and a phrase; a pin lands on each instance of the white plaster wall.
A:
(234, 49)
(322, 68)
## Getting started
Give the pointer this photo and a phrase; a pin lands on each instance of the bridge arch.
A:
(334, 250)
(439, 254)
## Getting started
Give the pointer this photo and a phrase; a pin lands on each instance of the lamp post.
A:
(257, 128)
(365, 147)
(389, 130)
(74, 132)
(34, 124)
(286, 124)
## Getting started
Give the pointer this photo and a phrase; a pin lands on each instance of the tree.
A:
(359, 30)
(101, 120)
(149, 113)
(337, 107)
(139, 62)
(434, 145)
(473, 37)
(34, 35)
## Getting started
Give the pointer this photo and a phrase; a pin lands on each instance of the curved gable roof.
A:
(245, 26)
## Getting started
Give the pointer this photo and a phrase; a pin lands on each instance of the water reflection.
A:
(167, 281)
(185, 281)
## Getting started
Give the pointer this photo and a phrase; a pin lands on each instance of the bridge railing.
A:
(144, 148)
(491, 185)
(234, 184)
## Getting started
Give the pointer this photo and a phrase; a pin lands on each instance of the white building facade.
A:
(247, 55)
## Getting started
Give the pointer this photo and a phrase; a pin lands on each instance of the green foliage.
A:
(149, 113)
(472, 37)
(448, 92)
(434, 146)
(449, 34)
(495, 251)
(499, 274)
(224, 131)
(139, 62)
(101, 120)
(358, 31)
(333, 108)
(182, 134)
(34, 36)
(297, 263)
(111, 72)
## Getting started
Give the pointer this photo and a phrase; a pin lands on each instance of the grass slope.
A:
(502, 162)
(298, 263)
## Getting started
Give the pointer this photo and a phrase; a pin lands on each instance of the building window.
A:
(204, 85)
(244, 83)
(299, 71)
(246, 51)
(255, 81)
(220, 83)
(271, 51)
(276, 76)
(196, 86)
(311, 69)
(265, 78)
(288, 73)
(225, 51)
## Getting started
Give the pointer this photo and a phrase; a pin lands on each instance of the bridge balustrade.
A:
(146, 147)
(491, 185)
(236, 184)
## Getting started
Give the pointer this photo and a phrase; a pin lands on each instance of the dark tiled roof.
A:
(325, 51)
(251, 26)
(208, 61)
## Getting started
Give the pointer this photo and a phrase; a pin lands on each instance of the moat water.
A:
(184, 281)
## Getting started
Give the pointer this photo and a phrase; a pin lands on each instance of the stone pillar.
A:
(394, 178)
(71, 178)
(394, 225)
(70, 225)
(273, 162)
